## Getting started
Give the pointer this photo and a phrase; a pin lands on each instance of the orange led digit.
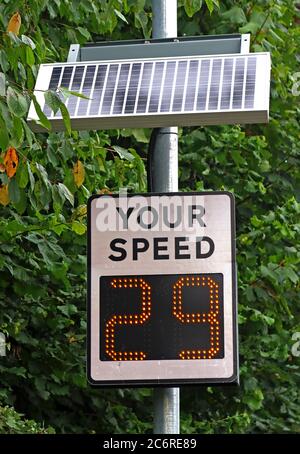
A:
(132, 319)
(211, 317)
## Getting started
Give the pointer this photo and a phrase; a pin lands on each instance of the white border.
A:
(139, 371)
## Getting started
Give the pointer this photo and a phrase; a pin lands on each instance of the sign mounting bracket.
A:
(164, 47)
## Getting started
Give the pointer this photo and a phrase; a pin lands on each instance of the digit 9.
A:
(210, 317)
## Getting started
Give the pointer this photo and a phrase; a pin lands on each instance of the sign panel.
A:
(162, 289)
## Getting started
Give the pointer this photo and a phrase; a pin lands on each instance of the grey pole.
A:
(165, 155)
(165, 179)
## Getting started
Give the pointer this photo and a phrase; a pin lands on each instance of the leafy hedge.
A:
(12, 422)
(43, 222)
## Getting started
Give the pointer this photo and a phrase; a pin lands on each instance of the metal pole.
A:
(165, 179)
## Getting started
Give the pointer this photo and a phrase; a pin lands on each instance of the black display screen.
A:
(159, 317)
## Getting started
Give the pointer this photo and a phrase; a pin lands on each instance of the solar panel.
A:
(181, 91)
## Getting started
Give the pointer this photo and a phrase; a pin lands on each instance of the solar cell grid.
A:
(191, 85)
(227, 83)
(167, 87)
(191, 90)
(121, 89)
(86, 89)
(156, 86)
(75, 86)
(250, 82)
(203, 84)
(162, 86)
(215, 84)
(238, 83)
(54, 83)
(144, 88)
(96, 94)
(130, 100)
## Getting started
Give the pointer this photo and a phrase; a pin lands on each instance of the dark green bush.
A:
(12, 422)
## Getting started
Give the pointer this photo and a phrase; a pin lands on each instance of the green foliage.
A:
(42, 229)
(12, 422)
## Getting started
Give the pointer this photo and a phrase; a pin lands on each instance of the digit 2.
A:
(134, 319)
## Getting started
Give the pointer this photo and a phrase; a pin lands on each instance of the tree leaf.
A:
(52, 100)
(4, 138)
(14, 191)
(120, 15)
(210, 5)
(78, 228)
(66, 118)
(14, 24)
(140, 135)
(4, 196)
(123, 153)
(31, 177)
(3, 61)
(28, 41)
(7, 117)
(30, 60)
(42, 117)
(11, 161)
(84, 32)
(192, 6)
(42, 172)
(22, 176)
(22, 203)
(18, 135)
(2, 84)
(235, 15)
(141, 21)
(65, 193)
(67, 93)
(15, 41)
(28, 133)
(16, 102)
(251, 27)
(78, 173)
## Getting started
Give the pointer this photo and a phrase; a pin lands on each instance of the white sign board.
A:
(162, 289)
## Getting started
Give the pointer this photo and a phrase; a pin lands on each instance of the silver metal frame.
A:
(166, 46)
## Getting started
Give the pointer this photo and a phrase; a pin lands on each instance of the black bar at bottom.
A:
(134, 443)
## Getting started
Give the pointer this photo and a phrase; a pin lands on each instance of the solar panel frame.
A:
(255, 83)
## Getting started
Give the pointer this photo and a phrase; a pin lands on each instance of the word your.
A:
(138, 213)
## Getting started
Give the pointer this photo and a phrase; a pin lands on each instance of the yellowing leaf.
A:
(4, 197)
(79, 212)
(11, 162)
(104, 191)
(14, 24)
(72, 339)
(78, 173)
